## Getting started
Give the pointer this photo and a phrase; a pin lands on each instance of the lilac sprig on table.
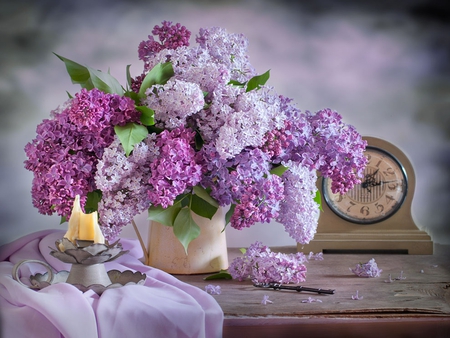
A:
(261, 265)
(369, 269)
(199, 128)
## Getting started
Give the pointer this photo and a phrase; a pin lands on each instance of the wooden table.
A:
(417, 306)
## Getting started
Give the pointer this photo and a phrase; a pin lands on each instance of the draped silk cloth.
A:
(162, 307)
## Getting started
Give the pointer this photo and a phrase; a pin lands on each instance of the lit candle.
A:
(83, 226)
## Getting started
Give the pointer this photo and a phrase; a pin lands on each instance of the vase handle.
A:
(15, 272)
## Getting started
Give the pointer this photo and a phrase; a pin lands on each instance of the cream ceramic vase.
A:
(206, 254)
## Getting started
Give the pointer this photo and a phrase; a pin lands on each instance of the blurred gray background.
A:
(383, 65)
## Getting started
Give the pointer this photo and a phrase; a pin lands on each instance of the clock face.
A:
(379, 195)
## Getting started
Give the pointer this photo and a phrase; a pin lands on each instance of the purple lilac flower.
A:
(175, 169)
(369, 269)
(336, 150)
(65, 152)
(170, 37)
(262, 265)
(246, 181)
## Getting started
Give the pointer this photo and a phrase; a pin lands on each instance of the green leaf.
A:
(164, 216)
(228, 215)
(185, 228)
(318, 199)
(243, 250)
(202, 208)
(279, 171)
(204, 194)
(159, 74)
(198, 141)
(222, 274)
(130, 134)
(134, 96)
(128, 75)
(147, 115)
(63, 220)
(93, 198)
(257, 81)
(236, 83)
(78, 74)
(105, 82)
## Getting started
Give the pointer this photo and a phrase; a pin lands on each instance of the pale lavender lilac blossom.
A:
(369, 269)
(174, 102)
(300, 222)
(122, 182)
(261, 265)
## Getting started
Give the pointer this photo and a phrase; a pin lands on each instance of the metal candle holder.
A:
(88, 271)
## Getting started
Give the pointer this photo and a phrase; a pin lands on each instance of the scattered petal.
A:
(421, 271)
(311, 300)
(213, 289)
(390, 280)
(357, 296)
(315, 257)
(401, 276)
(266, 300)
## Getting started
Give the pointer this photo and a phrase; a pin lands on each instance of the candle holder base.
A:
(117, 278)
(88, 275)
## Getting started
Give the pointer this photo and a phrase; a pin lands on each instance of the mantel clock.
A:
(374, 216)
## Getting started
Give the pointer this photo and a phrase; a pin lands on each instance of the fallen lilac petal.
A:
(311, 300)
(421, 271)
(390, 280)
(401, 276)
(213, 290)
(315, 257)
(266, 300)
(357, 296)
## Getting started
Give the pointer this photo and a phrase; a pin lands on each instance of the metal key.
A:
(298, 288)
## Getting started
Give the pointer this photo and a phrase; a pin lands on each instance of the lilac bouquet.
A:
(197, 130)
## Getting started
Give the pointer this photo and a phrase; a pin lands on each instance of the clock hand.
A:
(369, 181)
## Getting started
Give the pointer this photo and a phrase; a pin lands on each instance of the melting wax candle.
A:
(83, 226)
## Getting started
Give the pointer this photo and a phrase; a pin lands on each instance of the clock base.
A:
(412, 242)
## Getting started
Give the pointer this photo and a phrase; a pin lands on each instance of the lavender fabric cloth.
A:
(163, 307)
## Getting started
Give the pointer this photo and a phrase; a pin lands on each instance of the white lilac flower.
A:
(300, 222)
(174, 102)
